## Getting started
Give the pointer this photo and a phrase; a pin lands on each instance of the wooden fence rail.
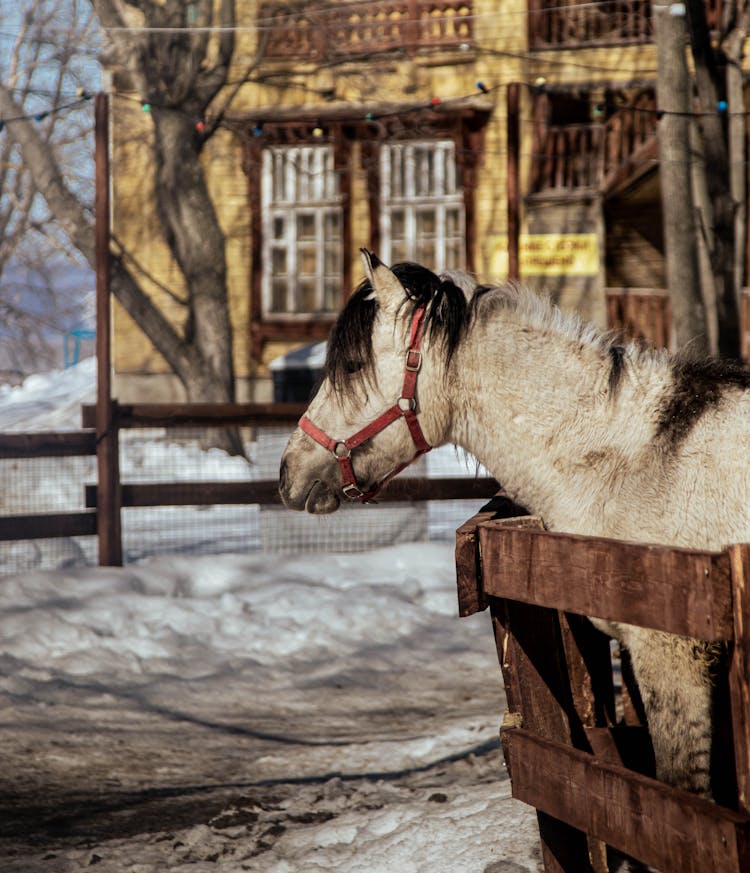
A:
(572, 752)
(136, 415)
(47, 445)
(202, 493)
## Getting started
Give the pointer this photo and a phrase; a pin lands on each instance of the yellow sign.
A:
(548, 254)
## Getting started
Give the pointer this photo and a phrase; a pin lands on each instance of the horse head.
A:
(383, 400)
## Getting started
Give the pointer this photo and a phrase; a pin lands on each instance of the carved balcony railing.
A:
(597, 156)
(569, 157)
(322, 31)
(606, 22)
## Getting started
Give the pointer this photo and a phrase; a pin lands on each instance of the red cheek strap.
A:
(405, 407)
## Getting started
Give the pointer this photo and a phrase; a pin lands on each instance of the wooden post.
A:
(674, 100)
(513, 181)
(107, 443)
(739, 672)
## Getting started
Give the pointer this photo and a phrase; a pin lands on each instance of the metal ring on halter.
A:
(342, 450)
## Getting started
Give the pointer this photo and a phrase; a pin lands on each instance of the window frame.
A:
(465, 126)
(448, 195)
(261, 328)
(321, 200)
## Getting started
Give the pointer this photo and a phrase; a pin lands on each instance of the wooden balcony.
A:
(607, 22)
(325, 31)
(604, 157)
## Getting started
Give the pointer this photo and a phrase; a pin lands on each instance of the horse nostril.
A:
(282, 476)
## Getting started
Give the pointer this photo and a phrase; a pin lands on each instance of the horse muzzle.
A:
(306, 494)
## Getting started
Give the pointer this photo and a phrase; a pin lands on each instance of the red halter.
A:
(405, 407)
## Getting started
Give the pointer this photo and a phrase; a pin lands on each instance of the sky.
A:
(276, 711)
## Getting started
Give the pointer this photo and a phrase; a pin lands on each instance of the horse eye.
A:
(353, 366)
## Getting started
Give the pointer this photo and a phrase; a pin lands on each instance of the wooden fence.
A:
(576, 747)
(183, 493)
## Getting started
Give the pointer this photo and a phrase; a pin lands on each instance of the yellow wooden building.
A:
(383, 124)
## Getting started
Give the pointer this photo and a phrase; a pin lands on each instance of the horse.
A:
(595, 436)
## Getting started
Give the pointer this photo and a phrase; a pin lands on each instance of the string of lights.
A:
(82, 97)
(436, 102)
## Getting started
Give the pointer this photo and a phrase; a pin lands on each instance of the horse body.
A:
(537, 409)
(595, 438)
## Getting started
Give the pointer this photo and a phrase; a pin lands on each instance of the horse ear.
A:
(387, 290)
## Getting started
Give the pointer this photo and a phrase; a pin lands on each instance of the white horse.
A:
(596, 438)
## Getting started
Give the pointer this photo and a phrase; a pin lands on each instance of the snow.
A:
(258, 711)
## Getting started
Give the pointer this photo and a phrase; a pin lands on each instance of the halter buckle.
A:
(413, 360)
(341, 450)
(352, 492)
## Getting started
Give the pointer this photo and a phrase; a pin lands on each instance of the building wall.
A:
(499, 31)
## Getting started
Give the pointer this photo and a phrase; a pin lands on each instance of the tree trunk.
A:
(673, 98)
(737, 138)
(196, 241)
(713, 122)
(704, 236)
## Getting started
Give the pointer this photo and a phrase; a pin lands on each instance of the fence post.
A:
(513, 183)
(107, 450)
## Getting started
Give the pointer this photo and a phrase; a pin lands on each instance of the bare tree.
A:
(179, 72)
(178, 60)
(42, 73)
(718, 86)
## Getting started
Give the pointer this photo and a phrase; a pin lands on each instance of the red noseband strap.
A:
(404, 408)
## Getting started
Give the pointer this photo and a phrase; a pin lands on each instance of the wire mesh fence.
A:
(30, 486)
(33, 485)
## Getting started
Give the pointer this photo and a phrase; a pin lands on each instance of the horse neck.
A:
(534, 406)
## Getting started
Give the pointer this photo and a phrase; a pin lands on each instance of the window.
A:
(302, 233)
(422, 206)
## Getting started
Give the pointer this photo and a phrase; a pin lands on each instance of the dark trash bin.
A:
(297, 374)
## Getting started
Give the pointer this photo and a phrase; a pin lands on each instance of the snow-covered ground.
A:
(257, 711)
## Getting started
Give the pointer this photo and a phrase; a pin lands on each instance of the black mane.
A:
(350, 342)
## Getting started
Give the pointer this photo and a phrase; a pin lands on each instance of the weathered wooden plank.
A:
(538, 693)
(201, 414)
(192, 493)
(266, 491)
(468, 565)
(739, 672)
(623, 745)
(671, 830)
(681, 591)
(47, 525)
(587, 653)
(47, 445)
